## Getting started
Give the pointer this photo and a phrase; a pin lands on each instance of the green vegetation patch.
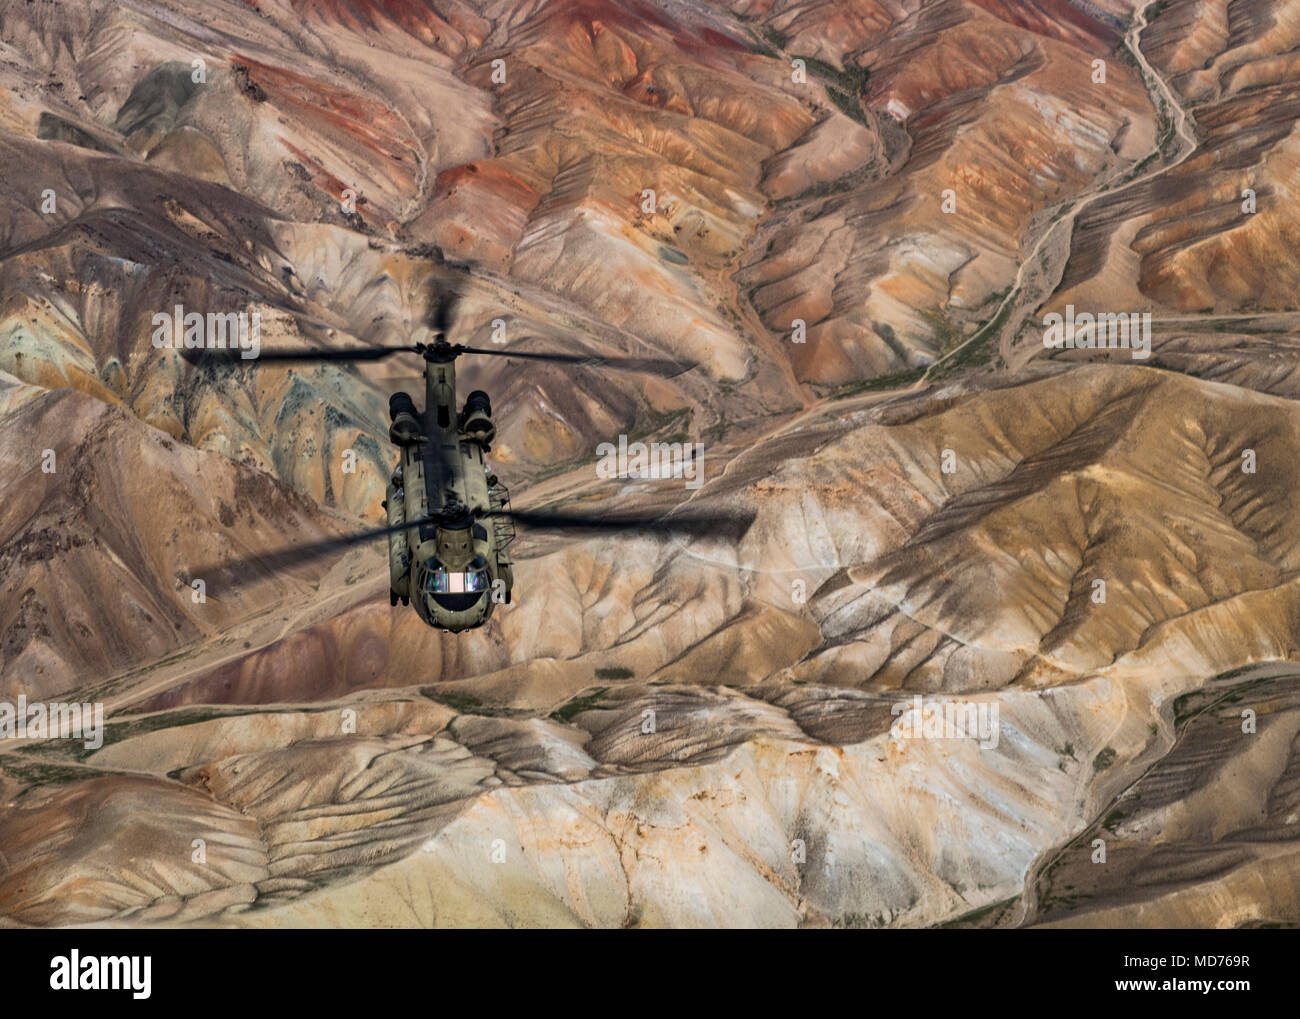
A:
(898, 380)
(579, 704)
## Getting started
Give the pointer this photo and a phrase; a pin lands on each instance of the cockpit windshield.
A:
(445, 582)
(453, 589)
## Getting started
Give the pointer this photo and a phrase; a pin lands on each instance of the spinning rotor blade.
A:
(654, 366)
(440, 318)
(689, 524)
(234, 355)
(294, 555)
(731, 525)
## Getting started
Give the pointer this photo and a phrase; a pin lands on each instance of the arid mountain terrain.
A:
(855, 219)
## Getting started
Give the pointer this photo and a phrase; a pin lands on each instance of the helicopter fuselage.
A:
(457, 567)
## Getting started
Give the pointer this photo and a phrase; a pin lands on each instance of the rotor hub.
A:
(439, 351)
(455, 516)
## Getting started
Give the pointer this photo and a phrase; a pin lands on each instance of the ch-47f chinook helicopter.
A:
(450, 524)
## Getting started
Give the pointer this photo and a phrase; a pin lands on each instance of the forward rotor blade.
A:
(298, 555)
(654, 366)
(729, 525)
(235, 355)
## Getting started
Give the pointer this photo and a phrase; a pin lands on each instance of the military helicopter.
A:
(450, 524)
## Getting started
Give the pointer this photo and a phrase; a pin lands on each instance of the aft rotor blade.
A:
(440, 319)
(650, 365)
(235, 355)
(730, 525)
(298, 555)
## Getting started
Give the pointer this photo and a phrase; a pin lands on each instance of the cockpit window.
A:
(439, 580)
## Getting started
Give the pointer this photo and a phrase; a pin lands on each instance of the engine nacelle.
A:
(476, 419)
(405, 428)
